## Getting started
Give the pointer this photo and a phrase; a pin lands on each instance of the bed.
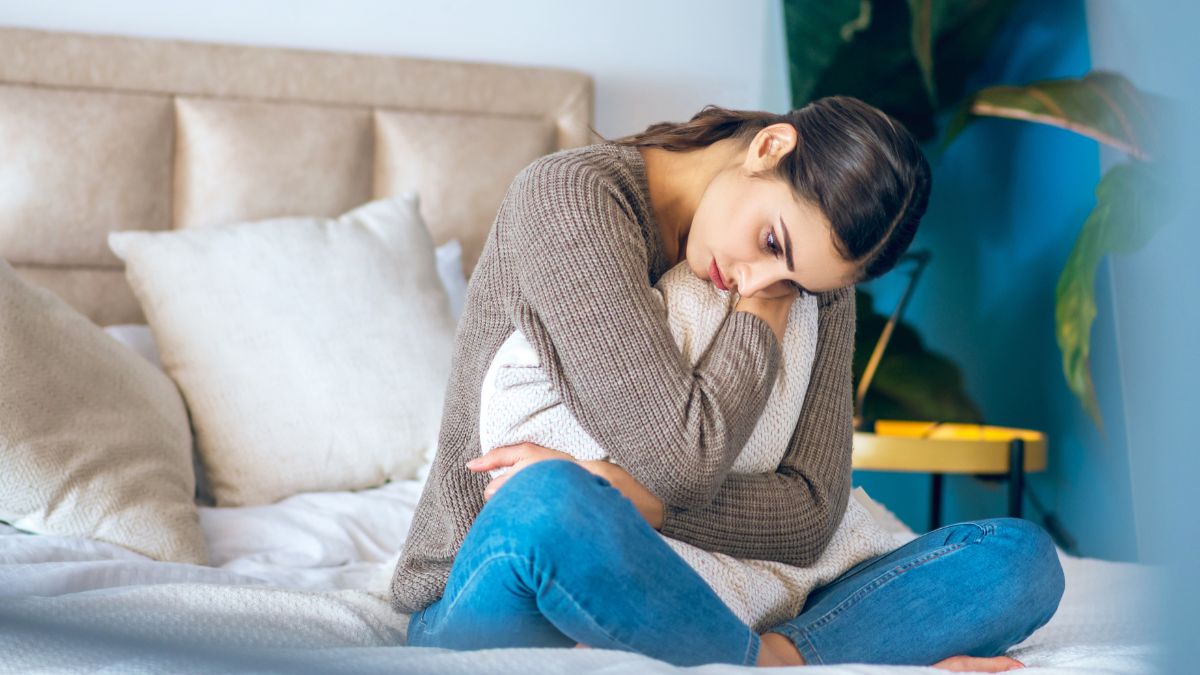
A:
(109, 133)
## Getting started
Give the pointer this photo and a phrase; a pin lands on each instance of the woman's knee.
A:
(1004, 580)
(551, 501)
(1024, 568)
(556, 483)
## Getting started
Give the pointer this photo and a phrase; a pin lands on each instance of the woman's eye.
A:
(772, 245)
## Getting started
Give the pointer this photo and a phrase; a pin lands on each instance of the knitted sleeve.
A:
(586, 305)
(790, 515)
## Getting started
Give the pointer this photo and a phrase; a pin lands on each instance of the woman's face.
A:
(749, 227)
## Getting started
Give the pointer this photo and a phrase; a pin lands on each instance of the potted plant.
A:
(912, 58)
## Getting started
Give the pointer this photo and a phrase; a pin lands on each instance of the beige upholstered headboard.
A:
(101, 133)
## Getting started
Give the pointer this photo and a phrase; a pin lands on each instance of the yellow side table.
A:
(941, 448)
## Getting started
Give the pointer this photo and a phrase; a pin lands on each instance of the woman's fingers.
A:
(497, 482)
(516, 457)
(497, 458)
(508, 455)
(534, 456)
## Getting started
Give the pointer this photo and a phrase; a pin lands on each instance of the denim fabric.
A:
(559, 556)
(974, 588)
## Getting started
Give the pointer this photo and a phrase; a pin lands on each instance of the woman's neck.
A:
(677, 181)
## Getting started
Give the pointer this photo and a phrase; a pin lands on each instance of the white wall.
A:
(652, 60)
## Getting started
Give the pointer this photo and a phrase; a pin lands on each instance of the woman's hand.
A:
(517, 457)
(647, 504)
(522, 455)
(772, 304)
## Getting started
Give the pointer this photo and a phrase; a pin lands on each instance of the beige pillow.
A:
(313, 353)
(94, 441)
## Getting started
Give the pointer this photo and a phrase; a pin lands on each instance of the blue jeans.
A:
(559, 556)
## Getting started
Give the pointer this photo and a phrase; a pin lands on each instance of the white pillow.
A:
(94, 441)
(883, 515)
(450, 270)
(313, 353)
(139, 338)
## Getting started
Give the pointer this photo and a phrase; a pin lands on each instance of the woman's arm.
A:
(585, 304)
(790, 515)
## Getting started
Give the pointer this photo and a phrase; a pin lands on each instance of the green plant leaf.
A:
(880, 67)
(911, 382)
(815, 31)
(964, 35)
(1131, 203)
(927, 16)
(1101, 105)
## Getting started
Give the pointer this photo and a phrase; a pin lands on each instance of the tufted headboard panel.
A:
(101, 133)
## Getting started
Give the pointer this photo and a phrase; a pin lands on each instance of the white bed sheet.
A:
(304, 582)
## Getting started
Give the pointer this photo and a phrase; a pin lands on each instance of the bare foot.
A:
(777, 650)
(978, 664)
(580, 645)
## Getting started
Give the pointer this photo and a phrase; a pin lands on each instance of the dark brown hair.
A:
(860, 166)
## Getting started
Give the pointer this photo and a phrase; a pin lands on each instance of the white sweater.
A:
(519, 405)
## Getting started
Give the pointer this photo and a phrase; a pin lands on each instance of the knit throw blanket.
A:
(518, 405)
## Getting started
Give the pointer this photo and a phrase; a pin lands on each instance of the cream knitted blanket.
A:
(519, 405)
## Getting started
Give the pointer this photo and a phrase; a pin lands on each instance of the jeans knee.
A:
(550, 480)
(547, 502)
(1030, 567)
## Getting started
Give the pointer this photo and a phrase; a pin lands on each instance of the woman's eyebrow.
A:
(787, 244)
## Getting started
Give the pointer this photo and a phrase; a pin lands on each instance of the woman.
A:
(764, 205)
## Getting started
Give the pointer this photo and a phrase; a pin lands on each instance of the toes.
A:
(977, 664)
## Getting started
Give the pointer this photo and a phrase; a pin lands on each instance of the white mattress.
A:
(301, 585)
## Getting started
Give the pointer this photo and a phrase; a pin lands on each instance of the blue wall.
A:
(1007, 203)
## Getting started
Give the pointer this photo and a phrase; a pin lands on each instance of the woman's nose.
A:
(749, 283)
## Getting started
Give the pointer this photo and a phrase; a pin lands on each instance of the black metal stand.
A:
(935, 501)
(1016, 476)
(1016, 485)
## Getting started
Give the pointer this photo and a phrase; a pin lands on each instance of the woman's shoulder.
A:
(602, 157)
(594, 196)
(596, 171)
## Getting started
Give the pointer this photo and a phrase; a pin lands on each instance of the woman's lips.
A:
(715, 273)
